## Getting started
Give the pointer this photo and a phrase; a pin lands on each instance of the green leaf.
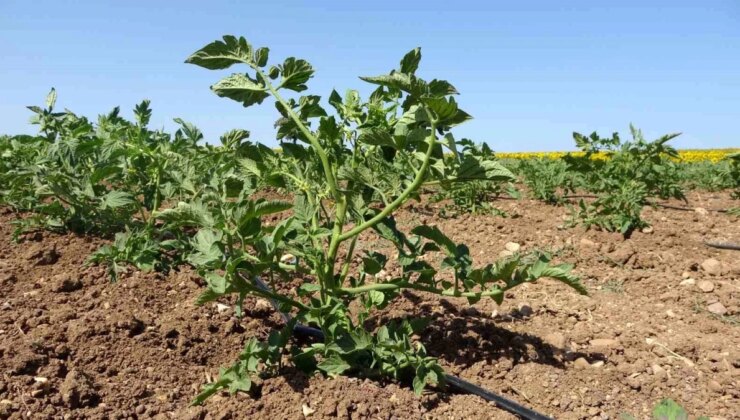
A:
(435, 235)
(241, 88)
(395, 80)
(376, 297)
(475, 168)
(263, 208)
(333, 365)
(116, 199)
(410, 61)
(669, 410)
(51, 98)
(377, 136)
(261, 56)
(295, 73)
(222, 54)
(308, 288)
(206, 242)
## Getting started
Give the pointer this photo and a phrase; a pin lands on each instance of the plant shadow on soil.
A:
(464, 339)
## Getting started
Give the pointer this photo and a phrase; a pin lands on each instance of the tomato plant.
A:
(349, 171)
(632, 173)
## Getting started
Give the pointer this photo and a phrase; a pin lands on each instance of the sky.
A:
(529, 72)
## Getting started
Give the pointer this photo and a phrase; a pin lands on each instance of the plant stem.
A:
(328, 170)
(271, 295)
(347, 261)
(155, 205)
(406, 285)
(418, 180)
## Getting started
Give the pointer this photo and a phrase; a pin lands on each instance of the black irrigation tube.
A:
(723, 245)
(459, 384)
(668, 206)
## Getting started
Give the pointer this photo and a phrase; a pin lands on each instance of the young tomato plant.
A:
(475, 195)
(632, 173)
(349, 171)
(548, 179)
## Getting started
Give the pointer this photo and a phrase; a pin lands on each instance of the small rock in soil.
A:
(42, 256)
(658, 370)
(587, 243)
(78, 390)
(262, 305)
(581, 363)
(717, 308)
(307, 411)
(505, 253)
(688, 282)
(64, 283)
(647, 229)
(712, 266)
(512, 246)
(556, 340)
(716, 387)
(701, 211)
(622, 254)
(525, 310)
(603, 342)
(706, 286)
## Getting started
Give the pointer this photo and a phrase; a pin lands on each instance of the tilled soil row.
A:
(661, 321)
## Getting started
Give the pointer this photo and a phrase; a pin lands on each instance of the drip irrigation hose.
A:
(458, 384)
(668, 206)
(723, 245)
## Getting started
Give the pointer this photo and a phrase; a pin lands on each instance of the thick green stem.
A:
(328, 170)
(418, 180)
(347, 261)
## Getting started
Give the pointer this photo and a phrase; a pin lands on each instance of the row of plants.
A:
(613, 179)
(684, 155)
(168, 199)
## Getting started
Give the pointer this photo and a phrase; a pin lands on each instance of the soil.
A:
(661, 321)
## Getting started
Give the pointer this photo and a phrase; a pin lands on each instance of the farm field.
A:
(141, 348)
(363, 267)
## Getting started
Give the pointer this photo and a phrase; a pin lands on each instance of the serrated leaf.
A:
(296, 73)
(376, 136)
(435, 235)
(222, 54)
(241, 88)
(116, 199)
(410, 61)
(475, 168)
(333, 365)
(206, 242)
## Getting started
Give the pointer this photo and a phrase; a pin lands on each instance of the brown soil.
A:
(74, 345)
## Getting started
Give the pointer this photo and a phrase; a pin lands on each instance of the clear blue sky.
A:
(530, 72)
